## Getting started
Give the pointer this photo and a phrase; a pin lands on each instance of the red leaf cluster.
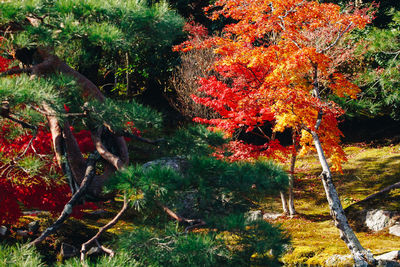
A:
(23, 191)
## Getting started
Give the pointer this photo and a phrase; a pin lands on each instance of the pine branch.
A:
(104, 152)
(15, 71)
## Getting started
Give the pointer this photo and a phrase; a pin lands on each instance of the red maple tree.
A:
(279, 63)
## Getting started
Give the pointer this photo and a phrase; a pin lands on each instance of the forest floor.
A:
(314, 236)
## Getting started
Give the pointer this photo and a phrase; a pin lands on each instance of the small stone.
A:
(254, 215)
(395, 230)
(3, 230)
(390, 256)
(33, 226)
(68, 251)
(272, 216)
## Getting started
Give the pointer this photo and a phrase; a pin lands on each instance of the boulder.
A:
(254, 215)
(377, 220)
(22, 233)
(93, 251)
(340, 260)
(395, 230)
(385, 263)
(187, 206)
(177, 163)
(390, 256)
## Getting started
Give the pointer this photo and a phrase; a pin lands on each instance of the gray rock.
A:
(339, 260)
(3, 230)
(68, 251)
(377, 220)
(33, 226)
(390, 256)
(395, 230)
(272, 216)
(177, 163)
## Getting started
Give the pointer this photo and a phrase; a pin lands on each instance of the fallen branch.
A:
(102, 230)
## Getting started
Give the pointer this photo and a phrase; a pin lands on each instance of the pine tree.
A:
(60, 48)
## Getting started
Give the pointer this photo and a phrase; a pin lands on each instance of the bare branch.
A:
(67, 211)
(102, 230)
(340, 35)
(15, 71)
(22, 123)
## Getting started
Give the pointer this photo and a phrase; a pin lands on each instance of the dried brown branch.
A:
(102, 230)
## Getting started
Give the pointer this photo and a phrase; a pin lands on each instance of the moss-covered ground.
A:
(314, 236)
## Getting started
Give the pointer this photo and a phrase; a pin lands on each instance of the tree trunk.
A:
(284, 203)
(361, 256)
(292, 210)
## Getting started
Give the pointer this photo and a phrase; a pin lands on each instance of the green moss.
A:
(314, 236)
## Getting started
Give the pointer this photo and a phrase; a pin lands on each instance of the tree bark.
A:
(362, 257)
(284, 203)
(56, 133)
(52, 64)
(292, 210)
(67, 211)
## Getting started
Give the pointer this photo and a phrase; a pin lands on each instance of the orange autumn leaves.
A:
(268, 62)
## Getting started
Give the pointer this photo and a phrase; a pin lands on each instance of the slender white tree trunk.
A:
(284, 203)
(362, 257)
(292, 210)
